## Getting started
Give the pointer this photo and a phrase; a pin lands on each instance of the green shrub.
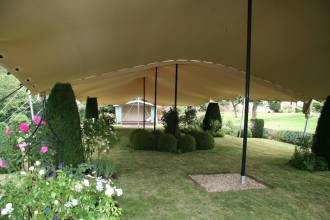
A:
(204, 140)
(17, 119)
(212, 120)
(316, 106)
(275, 106)
(167, 143)
(229, 128)
(189, 119)
(143, 140)
(170, 120)
(186, 143)
(257, 128)
(249, 133)
(291, 137)
(219, 133)
(91, 110)
(63, 125)
(321, 142)
(104, 168)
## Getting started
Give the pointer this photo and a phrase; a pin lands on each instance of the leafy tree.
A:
(316, 106)
(190, 116)
(170, 120)
(235, 102)
(275, 106)
(212, 119)
(64, 125)
(321, 142)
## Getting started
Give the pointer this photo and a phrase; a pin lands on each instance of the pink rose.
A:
(44, 149)
(22, 145)
(38, 120)
(3, 163)
(8, 132)
(24, 127)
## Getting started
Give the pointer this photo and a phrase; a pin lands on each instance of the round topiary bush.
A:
(167, 143)
(204, 140)
(143, 140)
(186, 143)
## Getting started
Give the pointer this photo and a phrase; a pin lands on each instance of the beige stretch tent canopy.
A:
(96, 46)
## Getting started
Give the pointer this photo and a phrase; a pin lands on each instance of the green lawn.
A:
(156, 185)
(280, 121)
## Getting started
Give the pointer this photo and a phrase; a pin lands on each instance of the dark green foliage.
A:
(104, 168)
(19, 118)
(257, 128)
(212, 120)
(189, 118)
(167, 143)
(63, 125)
(303, 159)
(186, 143)
(170, 120)
(291, 137)
(275, 106)
(143, 140)
(204, 140)
(91, 108)
(321, 142)
(316, 106)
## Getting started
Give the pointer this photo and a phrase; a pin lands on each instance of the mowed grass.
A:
(156, 185)
(279, 121)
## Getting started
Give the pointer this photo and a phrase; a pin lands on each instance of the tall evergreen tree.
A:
(212, 120)
(64, 125)
(321, 142)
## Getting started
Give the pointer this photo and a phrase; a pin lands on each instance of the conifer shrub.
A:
(321, 141)
(91, 108)
(186, 143)
(63, 125)
(212, 120)
(170, 120)
(257, 128)
(167, 143)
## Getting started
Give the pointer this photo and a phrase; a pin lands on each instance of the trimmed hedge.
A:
(257, 128)
(186, 143)
(321, 142)
(63, 123)
(167, 143)
(291, 137)
(142, 140)
(212, 119)
(249, 134)
(204, 140)
(91, 108)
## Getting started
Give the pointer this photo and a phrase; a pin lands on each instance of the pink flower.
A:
(22, 145)
(38, 120)
(3, 163)
(44, 149)
(24, 127)
(8, 132)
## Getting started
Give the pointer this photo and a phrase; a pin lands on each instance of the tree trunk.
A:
(235, 108)
(254, 108)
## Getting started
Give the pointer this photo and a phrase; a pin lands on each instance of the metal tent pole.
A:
(176, 86)
(31, 104)
(247, 89)
(144, 102)
(155, 101)
(138, 110)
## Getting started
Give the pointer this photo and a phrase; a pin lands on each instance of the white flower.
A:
(23, 173)
(74, 202)
(109, 191)
(31, 168)
(37, 163)
(78, 187)
(86, 182)
(8, 209)
(56, 202)
(99, 186)
(36, 212)
(42, 172)
(68, 205)
(119, 192)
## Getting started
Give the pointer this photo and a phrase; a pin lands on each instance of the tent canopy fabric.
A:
(104, 48)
